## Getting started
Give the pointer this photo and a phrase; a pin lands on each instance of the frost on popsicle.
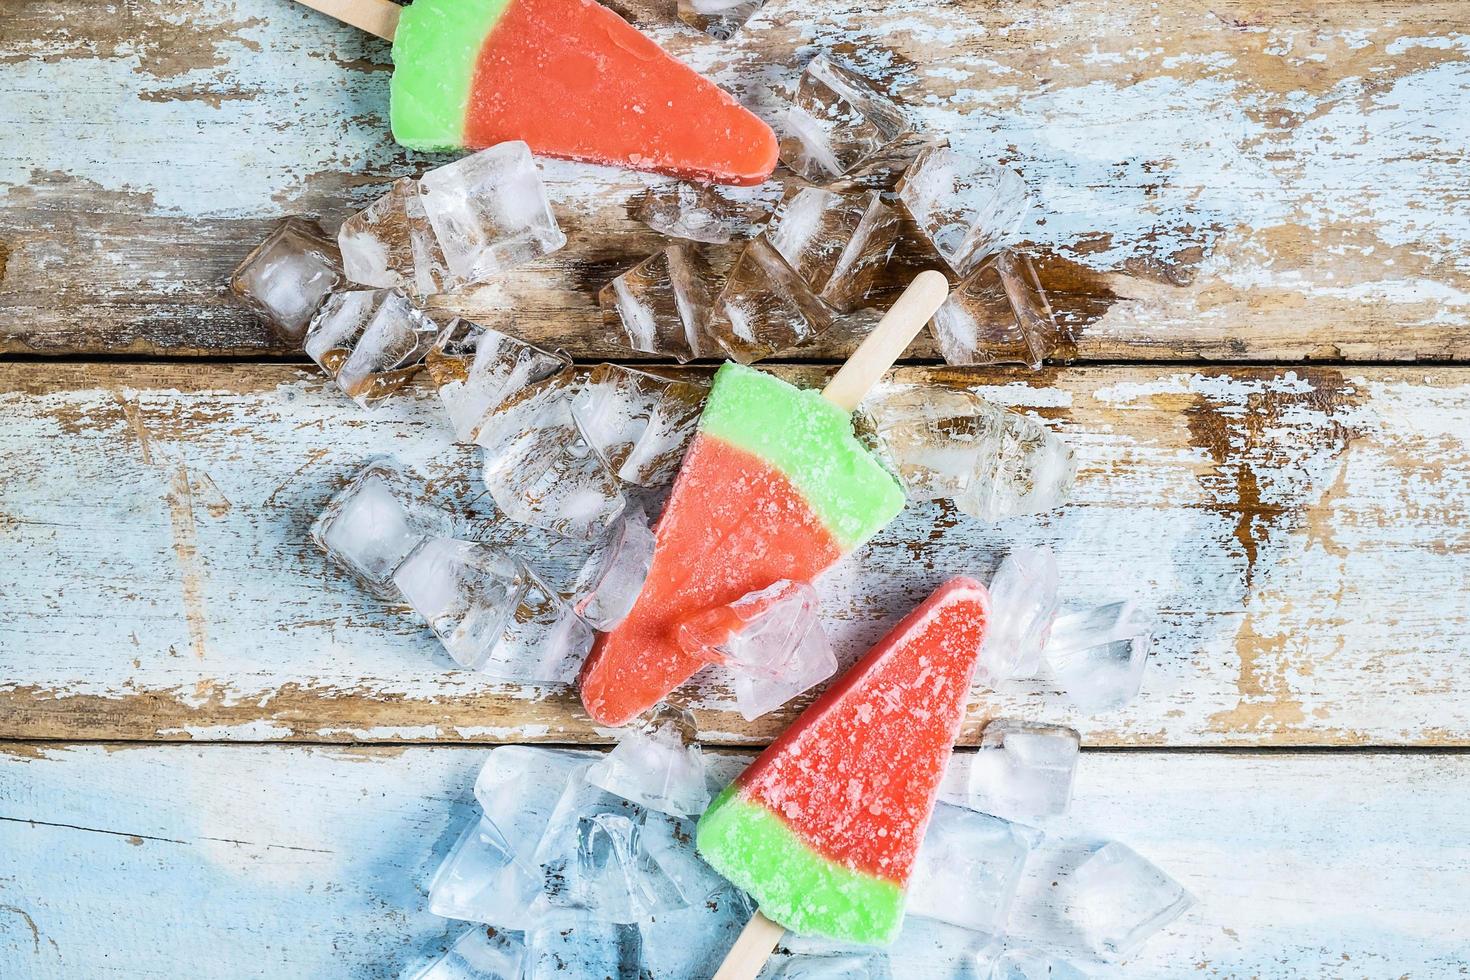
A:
(838, 121)
(951, 443)
(968, 209)
(836, 242)
(370, 341)
(998, 315)
(657, 764)
(771, 640)
(286, 277)
(660, 306)
(477, 369)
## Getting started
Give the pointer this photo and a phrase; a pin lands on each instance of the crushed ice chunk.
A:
(969, 210)
(286, 277)
(765, 307)
(968, 867)
(544, 640)
(998, 315)
(1120, 899)
(477, 369)
(836, 242)
(639, 423)
(771, 639)
(390, 243)
(466, 591)
(586, 948)
(479, 954)
(720, 19)
(1099, 655)
(1023, 604)
(661, 304)
(490, 211)
(951, 443)
(1023, 771)
(370, 341)
(658, 764)
(374, 522)
(609, 583)
(540, 470)
(998, 961)
(483, 879)
(697, 212)
(839, 121)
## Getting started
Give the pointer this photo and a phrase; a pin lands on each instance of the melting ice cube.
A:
(372, 524)
(1099, 655)
(720, 19)
(969, 210)
(660, 305)
(845, 966)
(657, 764)
(482, 879)
(968, 867)
(467, 591)
(370, 341)
(765, 308)
(609, 584)
(697, 212)
(490, 212)
(998, 315)
(1023, 771)
(836, 242)
(390, 243)
(838, 122)
(477, 369)
(1120, 899)
(479, 954)
(1023, 603)
(288, 275)
(639, 423)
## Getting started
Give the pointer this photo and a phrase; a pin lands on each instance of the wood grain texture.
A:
(271, 861)
(1302, 534)
(1216, 180)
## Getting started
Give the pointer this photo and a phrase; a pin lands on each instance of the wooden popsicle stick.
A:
(889, 339)
(378, 17)
(751, 950)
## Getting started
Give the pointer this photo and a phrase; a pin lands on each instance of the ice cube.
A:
(720, 19)
(839, 121)
(765, 307)
(771, 640)
(490, 212)
(657, 764)
(609, 583)
(540, 470)
(998, 315)
(836, 242)
(371, 525)
(660, 305)
(594, 860)
(968, 867)
(1023, 604)
(476, 369)
(479, 954)
(467, 591)
(370, 341)
(288, 275)
(951, 443)
(482, 879)
(1023, 771)
(996, 961)
(544, 640)
(1099, 655)
(1120, 899)
(969, 210)
(639, 423)
(390, 243)
(697, 212)
(588, 948)
(844, 966)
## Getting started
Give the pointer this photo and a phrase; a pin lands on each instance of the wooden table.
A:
(222, 759)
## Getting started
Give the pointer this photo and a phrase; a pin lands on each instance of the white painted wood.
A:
(260, 861)
(1302, 535)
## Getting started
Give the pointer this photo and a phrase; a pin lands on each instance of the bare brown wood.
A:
(1215, 180)
(1300, 531)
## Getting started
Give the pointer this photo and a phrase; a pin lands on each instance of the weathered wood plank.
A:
(1302, 534)
(1218, 180)
(276, 861)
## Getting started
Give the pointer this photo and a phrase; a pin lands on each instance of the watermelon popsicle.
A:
(822, 829)
(569, 77)
(775, 486)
